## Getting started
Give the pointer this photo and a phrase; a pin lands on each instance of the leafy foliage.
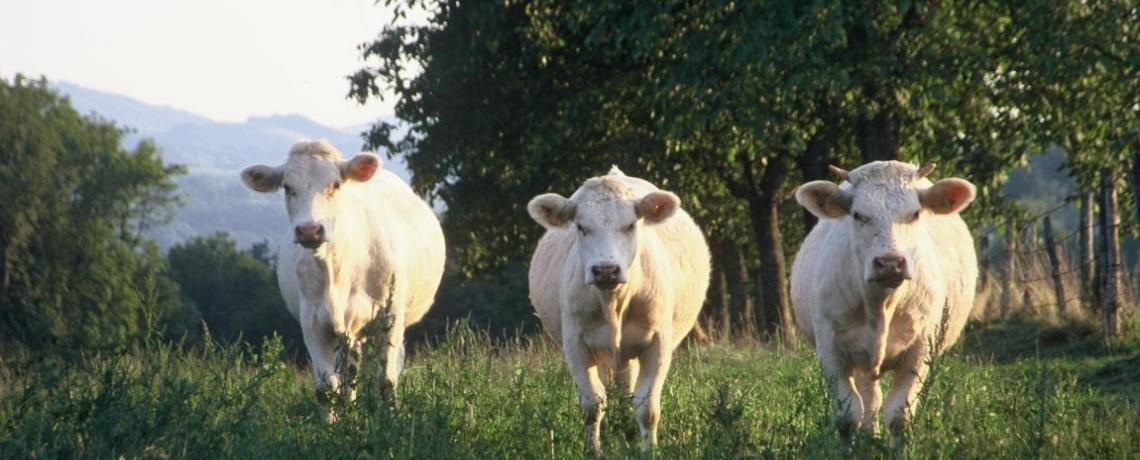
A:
(235, 291)
(74, 271)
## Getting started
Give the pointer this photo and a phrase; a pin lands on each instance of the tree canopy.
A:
(74, 269)
(732, 104)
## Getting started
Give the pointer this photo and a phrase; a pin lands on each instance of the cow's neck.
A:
(878, 309)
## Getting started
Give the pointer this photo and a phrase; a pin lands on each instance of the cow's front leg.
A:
(655, 360)
(902, 400)
(847, 405)
(871, 393)
(323, 346)
(591, 392)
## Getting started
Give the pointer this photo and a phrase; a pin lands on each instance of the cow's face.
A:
(312, 180)
(606, 219)
(884, 205)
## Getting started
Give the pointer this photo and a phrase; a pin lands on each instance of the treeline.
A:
(77, 273)
(729, 104)
(732, 104)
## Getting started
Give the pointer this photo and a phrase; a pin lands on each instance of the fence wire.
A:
(1033, 266)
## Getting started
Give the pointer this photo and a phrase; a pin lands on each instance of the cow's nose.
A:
(606, 275)
(890, 269)
(310, 234)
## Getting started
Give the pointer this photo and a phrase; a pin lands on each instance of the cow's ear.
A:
(551, 210)
(824, 199)
(264, 179)
(658, 206)
(361, 167)
(947, 196)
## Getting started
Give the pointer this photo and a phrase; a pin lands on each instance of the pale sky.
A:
(223, 59)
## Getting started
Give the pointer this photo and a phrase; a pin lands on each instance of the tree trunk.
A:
(1110, 278)
(736, 282)
(773, 317)
(1134, 183)
(715, 312)
(878, 137)
(1087, 262)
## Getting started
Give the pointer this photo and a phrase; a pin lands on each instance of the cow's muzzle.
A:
(606, 276)
(310, 235)
(889, 271)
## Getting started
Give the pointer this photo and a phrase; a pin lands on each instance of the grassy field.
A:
(1020, 390)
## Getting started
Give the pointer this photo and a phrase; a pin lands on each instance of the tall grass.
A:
(467, 397)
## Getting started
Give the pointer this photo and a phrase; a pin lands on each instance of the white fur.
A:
(860, 328)
(632, 329)
(383, 258)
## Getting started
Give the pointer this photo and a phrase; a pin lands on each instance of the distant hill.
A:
(215, 153)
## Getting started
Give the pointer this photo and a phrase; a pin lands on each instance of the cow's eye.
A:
(335, 187)
(289, 192)
(914, 217)
(859, 217)
(581, 229)
(631, 227)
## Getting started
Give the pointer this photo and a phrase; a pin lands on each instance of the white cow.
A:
(884, 281)
(618, 279)
(362, 248)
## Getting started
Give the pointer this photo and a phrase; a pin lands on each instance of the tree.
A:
(67, 277)
(730, 103)
(235, 291)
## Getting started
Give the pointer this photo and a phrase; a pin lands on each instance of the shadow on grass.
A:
(1079, 344)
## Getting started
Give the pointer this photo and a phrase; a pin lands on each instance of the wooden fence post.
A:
(1110, 278)
(984, 263)
(1010, 272)
(1054, 262)
(1085, 252)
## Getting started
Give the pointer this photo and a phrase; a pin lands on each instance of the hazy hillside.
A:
(215, 153)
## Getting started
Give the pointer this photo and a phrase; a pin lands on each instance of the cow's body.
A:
(363, 249)
(618, 280)
(884, 281)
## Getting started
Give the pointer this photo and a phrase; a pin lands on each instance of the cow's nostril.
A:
(309, 234)
(604, 271)
(889, 264)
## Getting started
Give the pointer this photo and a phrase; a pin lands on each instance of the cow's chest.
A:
(621, 332)
(865, 344)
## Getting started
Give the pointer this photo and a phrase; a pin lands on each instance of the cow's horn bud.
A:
(842, 173)
(926, 170)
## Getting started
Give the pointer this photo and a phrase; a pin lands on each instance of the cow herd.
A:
(883, 282)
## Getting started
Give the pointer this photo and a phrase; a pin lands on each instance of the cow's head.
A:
(312, 179)
(605, 215)
(884, 203)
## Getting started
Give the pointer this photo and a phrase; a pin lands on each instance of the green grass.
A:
(1022, 390)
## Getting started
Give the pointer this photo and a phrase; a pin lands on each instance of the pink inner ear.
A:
(362, 168)
(948, 196)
